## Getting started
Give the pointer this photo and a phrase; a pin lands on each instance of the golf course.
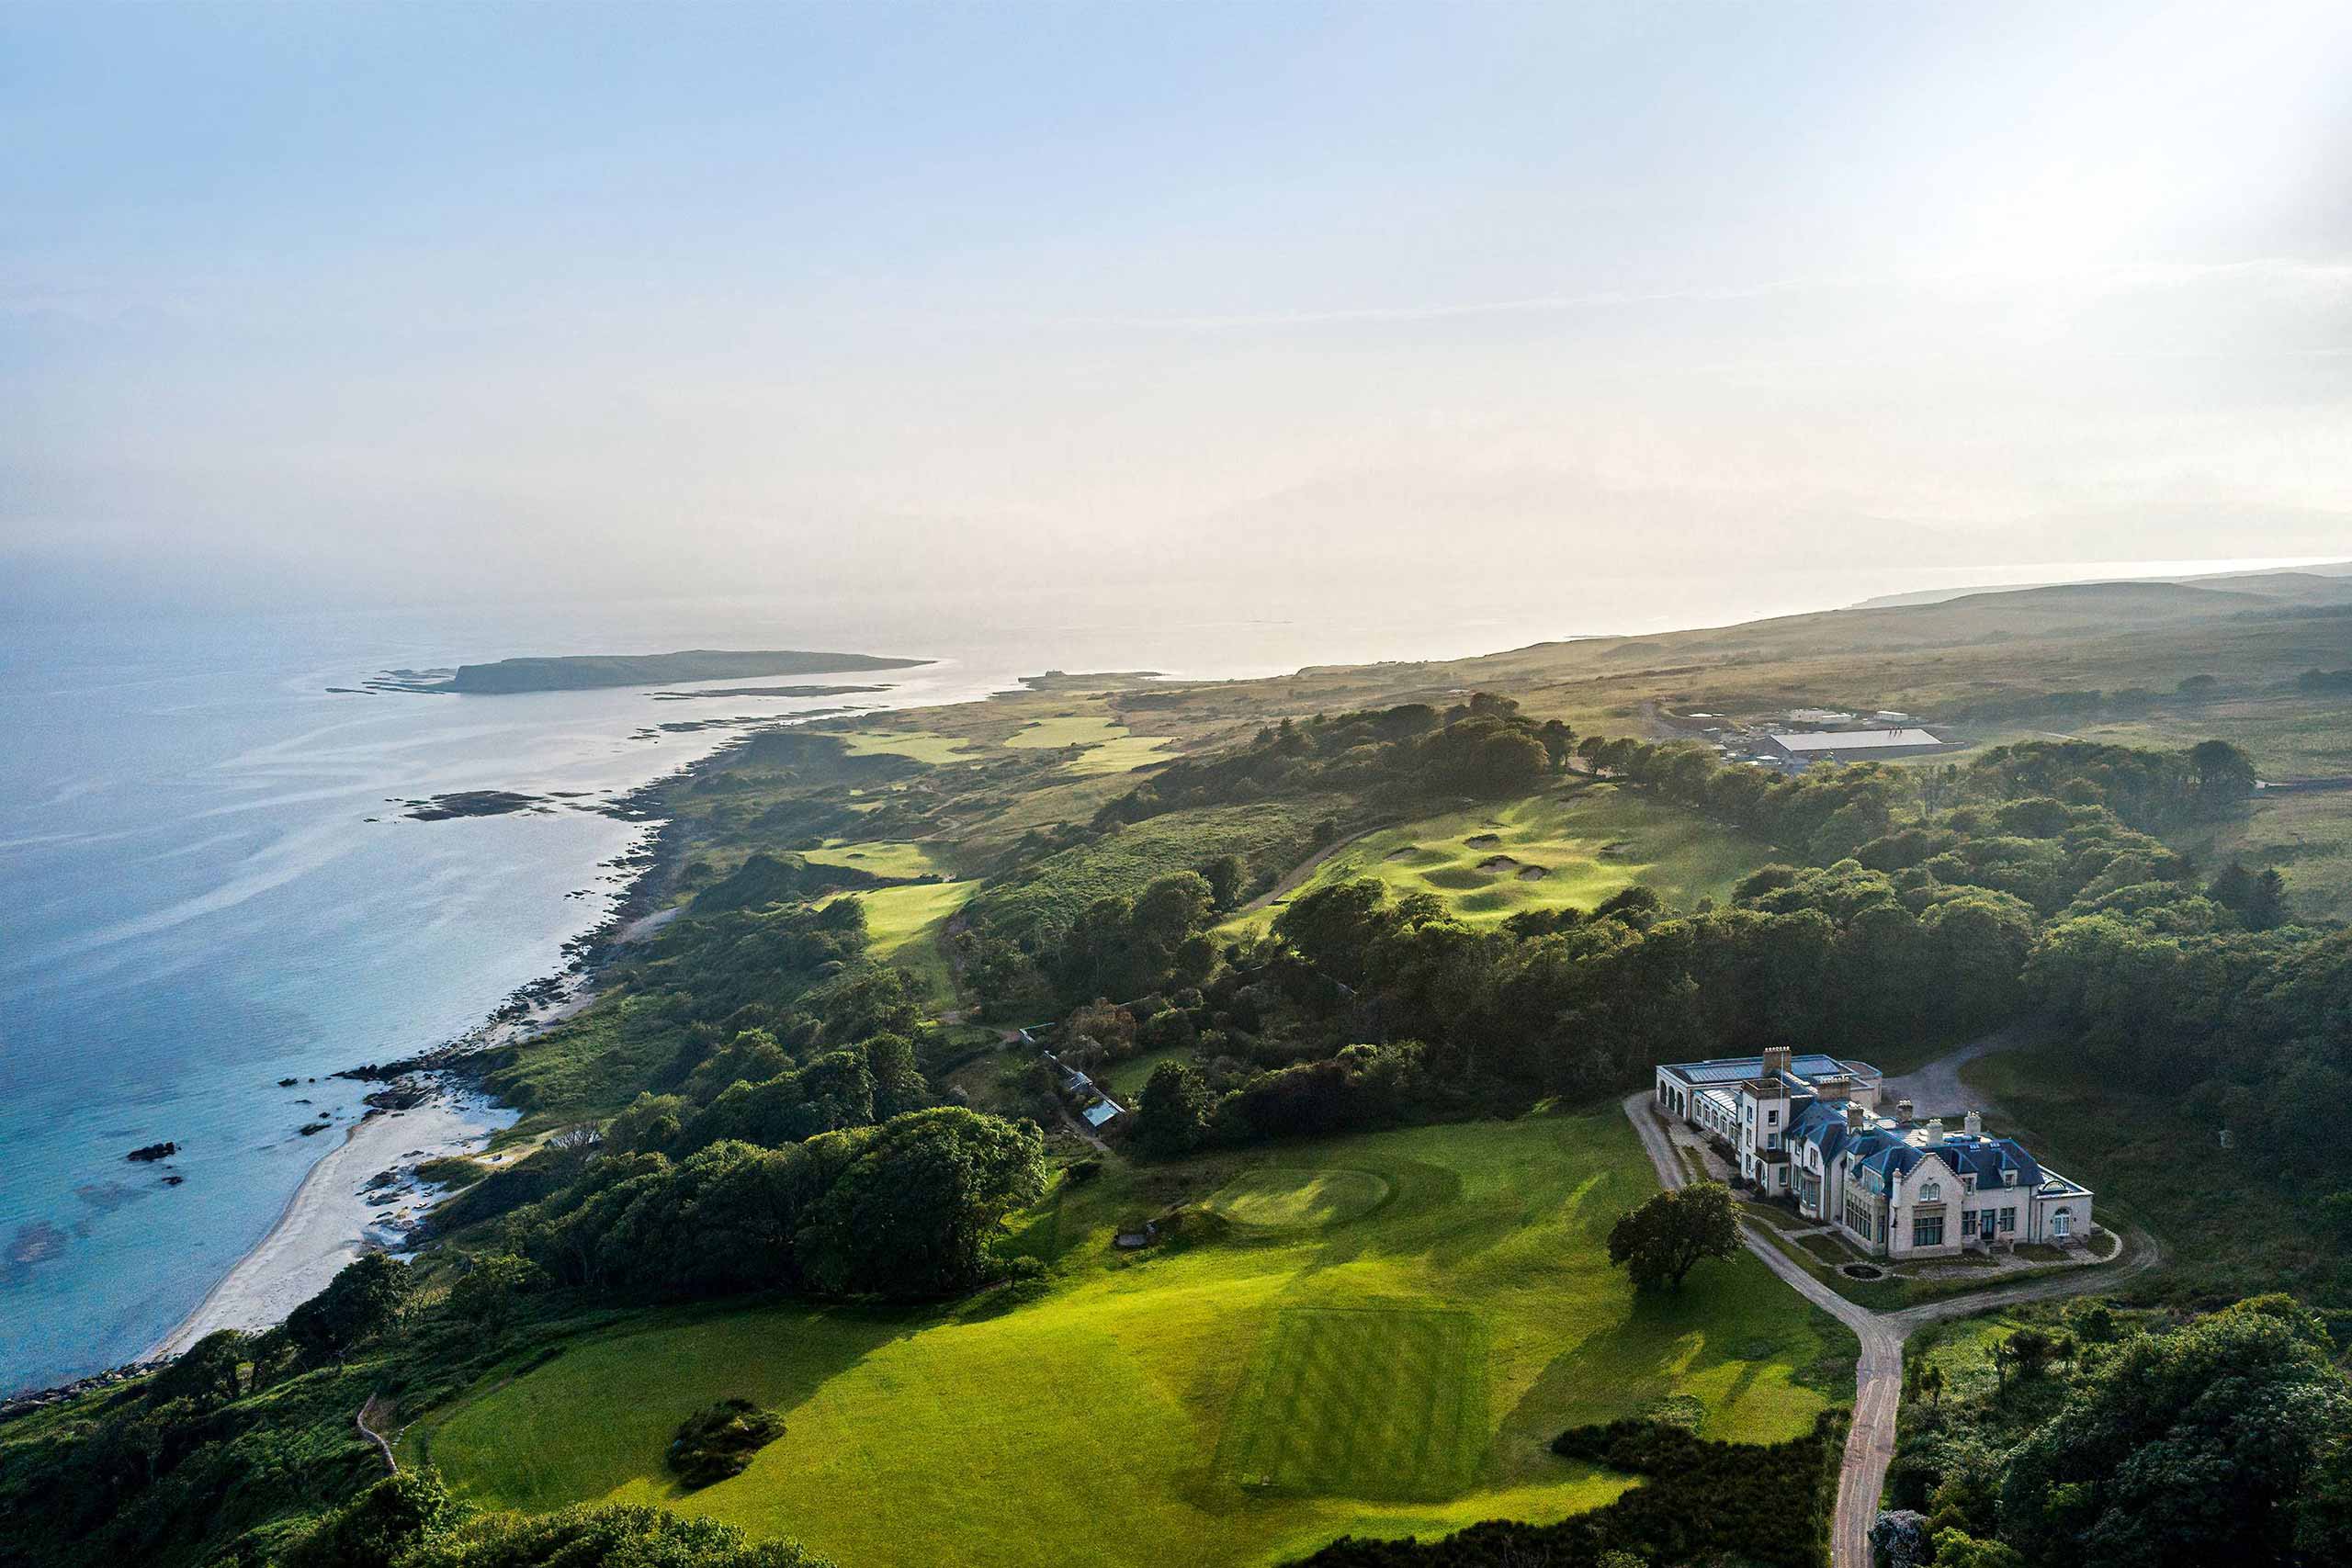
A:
(1559, 850)
(1377, 1334)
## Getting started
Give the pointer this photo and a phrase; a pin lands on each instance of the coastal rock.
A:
(153, 1151)
(288, 1083)
(471, 803)
(310, 1129)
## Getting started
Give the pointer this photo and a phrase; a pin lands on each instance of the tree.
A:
(911, 1205)
(208, 1373)
(2223, 775)
(1225, 876)
(2266, 907)
(2183, 1449)
(628, 1535)
(486, 1293)
(1659, 1243)
(1957, 1549)
(1171, 1116)
(380, 1525)
(367, 1298)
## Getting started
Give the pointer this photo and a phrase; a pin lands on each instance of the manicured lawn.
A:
(1125, 1079)
(1548, 852)
(905, 924)
(1287, 1198)
(1109, 748)
(1392, 1361)
(883, 858)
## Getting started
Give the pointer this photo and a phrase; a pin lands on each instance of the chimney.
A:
(1853, 1117)
(1935, 1132)
(1972, 1124)
(1776, 1060)
(1904, 1109)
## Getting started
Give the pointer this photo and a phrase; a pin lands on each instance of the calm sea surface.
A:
(194, 902)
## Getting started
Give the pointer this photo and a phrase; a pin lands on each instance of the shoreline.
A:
(343, 1208)
(330, 1220)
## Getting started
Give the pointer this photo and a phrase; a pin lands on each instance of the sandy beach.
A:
(330, 1220)
(340, 1210)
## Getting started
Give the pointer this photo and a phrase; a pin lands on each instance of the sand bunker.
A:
(1534, 873)
(1498, 862)
(1483, 840)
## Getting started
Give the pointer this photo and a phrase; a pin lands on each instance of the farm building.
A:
(1799, 748)
(1809, 1129)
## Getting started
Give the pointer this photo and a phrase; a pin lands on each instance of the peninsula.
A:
(586, 671)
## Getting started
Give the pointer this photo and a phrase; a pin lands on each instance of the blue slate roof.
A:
(1986, 1158)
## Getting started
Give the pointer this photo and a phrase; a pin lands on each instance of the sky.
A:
(1014, 303)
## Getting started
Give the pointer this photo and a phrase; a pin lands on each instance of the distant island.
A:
(584, 671)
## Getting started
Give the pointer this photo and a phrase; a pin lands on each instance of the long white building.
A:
(1810, 1128)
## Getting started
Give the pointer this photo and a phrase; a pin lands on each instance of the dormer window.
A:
(2009, 1177)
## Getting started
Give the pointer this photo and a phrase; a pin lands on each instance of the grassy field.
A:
(904, 926)
(1125, 1079)
(1108, 746)
(1376, 1334)
(921, 745)
(883, 858)
(1548, 852)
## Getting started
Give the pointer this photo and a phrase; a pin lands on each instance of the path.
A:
(1936, 1089)
(381, 1407)
(1305, 869)
(1878, 1372)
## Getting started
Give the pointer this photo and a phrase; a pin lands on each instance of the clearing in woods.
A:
(906, 925)
(1393, 1359)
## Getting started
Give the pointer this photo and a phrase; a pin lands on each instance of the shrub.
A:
(718, 1444)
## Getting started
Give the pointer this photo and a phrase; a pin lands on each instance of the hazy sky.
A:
(417, 300)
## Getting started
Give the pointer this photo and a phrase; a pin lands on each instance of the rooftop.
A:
(1800, 744)
(1730, 1070)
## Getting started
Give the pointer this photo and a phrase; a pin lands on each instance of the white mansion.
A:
(1810, 1128)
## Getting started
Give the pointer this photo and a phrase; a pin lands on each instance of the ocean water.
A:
(205, 886)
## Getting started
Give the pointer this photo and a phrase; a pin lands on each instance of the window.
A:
(2009, 1219)
(1968, 1221)
(1931, 1192)
(1772, 1118)
(1928, 1233)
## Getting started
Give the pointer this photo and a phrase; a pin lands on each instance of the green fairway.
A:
(905, 926)
(1405, 1382)
(920, 744)
(1279, 1197)
(1108, 746)
(883, 858)
(1546, 852)
(1239, 1396)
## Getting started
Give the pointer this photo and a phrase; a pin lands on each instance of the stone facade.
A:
(1810, 1129)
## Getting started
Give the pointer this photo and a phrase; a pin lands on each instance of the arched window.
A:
(1931, 1192)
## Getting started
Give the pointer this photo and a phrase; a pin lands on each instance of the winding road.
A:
(1878, 1373)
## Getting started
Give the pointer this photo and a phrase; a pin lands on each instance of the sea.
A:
(208, 883)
